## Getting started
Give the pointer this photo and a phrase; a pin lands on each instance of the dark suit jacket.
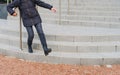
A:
(28, 12)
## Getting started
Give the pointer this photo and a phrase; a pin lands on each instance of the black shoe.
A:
(47, 51)
(30, 50)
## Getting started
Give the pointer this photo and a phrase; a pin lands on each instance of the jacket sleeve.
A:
(43, 4)
(10, 6)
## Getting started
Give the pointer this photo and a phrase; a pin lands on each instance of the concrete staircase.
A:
(87, 35)
(92, 13)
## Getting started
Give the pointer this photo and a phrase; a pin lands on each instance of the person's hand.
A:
(53, 10)
(14, 14)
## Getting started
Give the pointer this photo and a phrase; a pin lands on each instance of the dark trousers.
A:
(40, 34)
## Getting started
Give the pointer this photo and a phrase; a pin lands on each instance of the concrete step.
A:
(81, 8)
(89, 5)
(79, 47)
(71, 45)
(65, 58)
(84, 11)
(70, 38)
(86, 37)
(61, 32)
(112, 8)
(107, 22)
(76, 17)
(82, 17)
(83, 2)
(62, 5)
(67, 19)
(99, 3)
(63, 46)
(96, 13)
(83, 23)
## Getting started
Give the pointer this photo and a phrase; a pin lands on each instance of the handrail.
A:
(20, 34)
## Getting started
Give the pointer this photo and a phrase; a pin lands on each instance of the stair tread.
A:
(54, 29)
(65, 43)
(62, 54)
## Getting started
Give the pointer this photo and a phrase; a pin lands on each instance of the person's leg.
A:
(30, 38)
(42, 38)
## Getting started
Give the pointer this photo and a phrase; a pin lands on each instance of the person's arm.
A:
(43, 4)
(10, 7)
